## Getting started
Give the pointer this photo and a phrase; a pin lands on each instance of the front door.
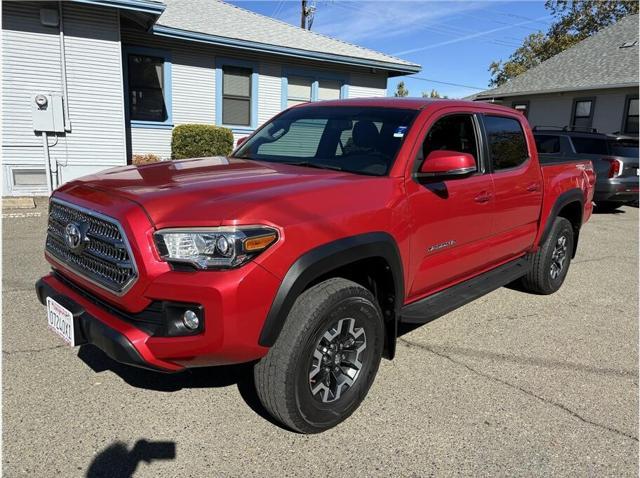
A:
(451, 218)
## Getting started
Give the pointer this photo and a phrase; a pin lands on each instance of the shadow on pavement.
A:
(240, 375)
(118, 460)
(605, 212)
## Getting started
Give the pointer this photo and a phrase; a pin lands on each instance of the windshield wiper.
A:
(309, 164)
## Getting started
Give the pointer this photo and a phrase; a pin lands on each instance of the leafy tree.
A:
(401, 90)
(433, 94)
(575, 20)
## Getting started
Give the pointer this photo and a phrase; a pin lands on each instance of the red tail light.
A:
(615, 167)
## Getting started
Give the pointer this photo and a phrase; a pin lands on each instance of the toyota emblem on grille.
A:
(75, 237)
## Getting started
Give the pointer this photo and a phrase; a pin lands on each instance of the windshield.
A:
(361, 140)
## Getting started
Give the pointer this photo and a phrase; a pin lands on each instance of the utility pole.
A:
(306, 15)
(303, 15)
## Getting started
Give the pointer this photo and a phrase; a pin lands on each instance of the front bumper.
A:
(235, 305)
(90, 329)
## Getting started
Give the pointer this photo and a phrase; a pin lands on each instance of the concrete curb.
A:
(18, 203)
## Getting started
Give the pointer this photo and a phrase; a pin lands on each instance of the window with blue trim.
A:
(329, 89)
(236, 95)
(302, 86)
(148, 86)
(298, 90)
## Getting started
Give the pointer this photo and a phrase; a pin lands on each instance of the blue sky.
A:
(454, 41)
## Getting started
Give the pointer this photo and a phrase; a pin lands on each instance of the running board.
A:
(445, 301)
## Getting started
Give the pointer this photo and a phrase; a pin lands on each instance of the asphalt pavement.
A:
(510, 385)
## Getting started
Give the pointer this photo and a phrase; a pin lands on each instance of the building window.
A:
(582, 113)
(236, 95)
(631, 116)
(329, 89)
(302, 86)
(522, 107)
(507, 144)
(298, 90)
(148, 86)
(237, 84)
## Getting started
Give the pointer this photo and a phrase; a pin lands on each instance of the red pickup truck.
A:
(305, 249)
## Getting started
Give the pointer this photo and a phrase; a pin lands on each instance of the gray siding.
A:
(94, 78)
(31, 64)
(367, 85)
(556, 109)
(150, 140)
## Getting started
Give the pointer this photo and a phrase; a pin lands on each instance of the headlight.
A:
(216, 247)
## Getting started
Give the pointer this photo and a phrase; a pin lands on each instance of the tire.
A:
(289, 379)
(607, 206)
(551, 262)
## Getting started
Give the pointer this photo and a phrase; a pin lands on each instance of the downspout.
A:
(63, 72)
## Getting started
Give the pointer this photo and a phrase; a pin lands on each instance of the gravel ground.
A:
(510, 385)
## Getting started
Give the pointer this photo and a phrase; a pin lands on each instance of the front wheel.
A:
(551, 262)
(325, 359)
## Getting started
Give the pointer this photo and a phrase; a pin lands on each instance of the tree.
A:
(401, 90)
(575, 20)
(434, 94)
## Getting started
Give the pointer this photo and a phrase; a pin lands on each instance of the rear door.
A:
(450, 219)
(517, 180)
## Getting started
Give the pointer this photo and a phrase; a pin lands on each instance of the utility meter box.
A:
(48, 112)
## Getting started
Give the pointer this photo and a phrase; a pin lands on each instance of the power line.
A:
(446, 83)
(276, 11)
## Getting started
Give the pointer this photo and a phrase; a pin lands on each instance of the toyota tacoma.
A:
(305, 249)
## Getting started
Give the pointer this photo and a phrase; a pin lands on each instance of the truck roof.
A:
(407, 103)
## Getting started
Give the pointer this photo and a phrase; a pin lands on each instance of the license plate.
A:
(60, 321)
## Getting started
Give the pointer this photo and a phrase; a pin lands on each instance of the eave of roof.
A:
(488, 95)
(170, 32)
(144, 6)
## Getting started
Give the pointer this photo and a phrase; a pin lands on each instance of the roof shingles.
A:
(220, 19)
(596, 62)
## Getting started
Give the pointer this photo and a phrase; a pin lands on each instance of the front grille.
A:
(104, 258)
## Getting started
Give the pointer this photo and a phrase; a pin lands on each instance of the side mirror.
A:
(241, 140)
(447, 164)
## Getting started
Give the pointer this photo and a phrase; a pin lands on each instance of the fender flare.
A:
(324, 259)
(567, 197)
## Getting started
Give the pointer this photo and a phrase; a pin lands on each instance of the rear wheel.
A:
(551, 262)
(325, 359)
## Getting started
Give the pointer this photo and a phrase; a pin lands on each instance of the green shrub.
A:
(198, 140)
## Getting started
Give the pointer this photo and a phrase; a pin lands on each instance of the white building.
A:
(88, 83)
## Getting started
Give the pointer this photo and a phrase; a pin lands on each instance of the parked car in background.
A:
(327, 228)
(614, 158)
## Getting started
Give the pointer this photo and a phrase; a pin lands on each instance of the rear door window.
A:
(507, 144)
(548, 144)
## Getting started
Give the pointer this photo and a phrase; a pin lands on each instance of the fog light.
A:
(190, 319)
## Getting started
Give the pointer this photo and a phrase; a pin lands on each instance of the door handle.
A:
(533, 187)
(483, 197)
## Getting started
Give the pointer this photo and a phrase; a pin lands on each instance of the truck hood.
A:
(209, 191)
